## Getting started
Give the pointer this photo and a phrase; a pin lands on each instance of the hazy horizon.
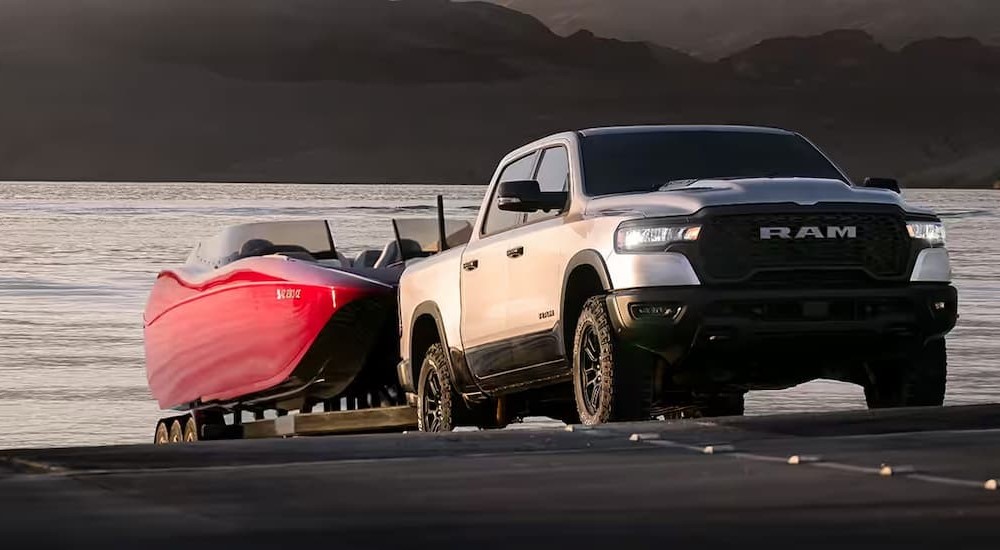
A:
(320, 91)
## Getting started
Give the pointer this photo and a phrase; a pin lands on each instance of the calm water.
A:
(78, 260)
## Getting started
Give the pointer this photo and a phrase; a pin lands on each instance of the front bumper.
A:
(855, 321)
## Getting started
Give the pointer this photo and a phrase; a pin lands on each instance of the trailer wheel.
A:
(176, 431)
(191, 430)
(435, 397)
(162, 434)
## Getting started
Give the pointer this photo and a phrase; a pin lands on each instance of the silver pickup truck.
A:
(626, 273)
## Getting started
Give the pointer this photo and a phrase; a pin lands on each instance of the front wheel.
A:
(916, 381)
(611, 382)
(435, 397)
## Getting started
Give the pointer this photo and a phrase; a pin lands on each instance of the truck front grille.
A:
(731, 248)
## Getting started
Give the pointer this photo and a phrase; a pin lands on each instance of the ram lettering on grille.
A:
(832, 232)
(788, 246)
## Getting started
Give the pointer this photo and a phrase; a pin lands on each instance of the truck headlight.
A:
(653, 238)
(932, 232)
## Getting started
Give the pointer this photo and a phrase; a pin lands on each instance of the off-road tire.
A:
(919, 380)
(614, 382)
(435, 397)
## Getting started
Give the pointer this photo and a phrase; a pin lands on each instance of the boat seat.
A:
(262, 247)
(391, 253)
(367, 258)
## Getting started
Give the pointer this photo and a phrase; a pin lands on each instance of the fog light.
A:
(640, 311)
(939, 306)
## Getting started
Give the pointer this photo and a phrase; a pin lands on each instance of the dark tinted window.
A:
(552, 175)
(625, 163)
(498, 220)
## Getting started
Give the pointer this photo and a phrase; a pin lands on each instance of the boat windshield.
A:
(421, 237)
(304, 239)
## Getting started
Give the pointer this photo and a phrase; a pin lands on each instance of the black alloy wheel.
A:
(435, 397)
(590, 365)
(432, 403)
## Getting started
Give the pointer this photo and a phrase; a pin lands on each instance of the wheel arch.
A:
(586, 275)
(426, 330)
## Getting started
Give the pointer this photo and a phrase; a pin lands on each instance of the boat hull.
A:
(260, 328)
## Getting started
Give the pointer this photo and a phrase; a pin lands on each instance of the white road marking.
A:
(884, 470)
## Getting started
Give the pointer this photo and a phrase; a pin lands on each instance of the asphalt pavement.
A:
(920, 478)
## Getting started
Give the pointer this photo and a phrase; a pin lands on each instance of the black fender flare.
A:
(460, 374)
(590, 258)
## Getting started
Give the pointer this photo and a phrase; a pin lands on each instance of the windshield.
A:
(308, 238)
(645, 161)
(422, 236)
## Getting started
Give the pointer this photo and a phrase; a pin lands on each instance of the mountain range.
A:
(436, 91)
(716, 28)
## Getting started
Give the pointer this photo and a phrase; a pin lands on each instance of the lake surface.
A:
(78, 261)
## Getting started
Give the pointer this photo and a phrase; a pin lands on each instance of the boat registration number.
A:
(289, 293)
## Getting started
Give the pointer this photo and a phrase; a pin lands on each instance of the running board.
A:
(382, 419)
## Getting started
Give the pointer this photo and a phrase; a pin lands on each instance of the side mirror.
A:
(882, 183)
(526, 196)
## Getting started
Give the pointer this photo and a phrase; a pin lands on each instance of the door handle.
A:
(515, 252)
(471, 266)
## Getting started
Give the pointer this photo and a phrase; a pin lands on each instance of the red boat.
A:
(271, 316)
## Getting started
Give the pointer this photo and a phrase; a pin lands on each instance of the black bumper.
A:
(835, 321)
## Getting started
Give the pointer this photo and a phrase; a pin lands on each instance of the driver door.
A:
(536, 271)
(485, 282)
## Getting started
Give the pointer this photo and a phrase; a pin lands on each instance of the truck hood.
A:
(687, 200)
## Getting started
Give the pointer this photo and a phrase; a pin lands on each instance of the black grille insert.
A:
(731, 248)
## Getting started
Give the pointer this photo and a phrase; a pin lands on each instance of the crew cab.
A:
(632, 272)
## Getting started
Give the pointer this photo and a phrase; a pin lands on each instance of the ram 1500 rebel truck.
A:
(624, 273)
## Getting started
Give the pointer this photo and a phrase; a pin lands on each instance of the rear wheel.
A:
(611, 382)
(435, 397)
(918, 380)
